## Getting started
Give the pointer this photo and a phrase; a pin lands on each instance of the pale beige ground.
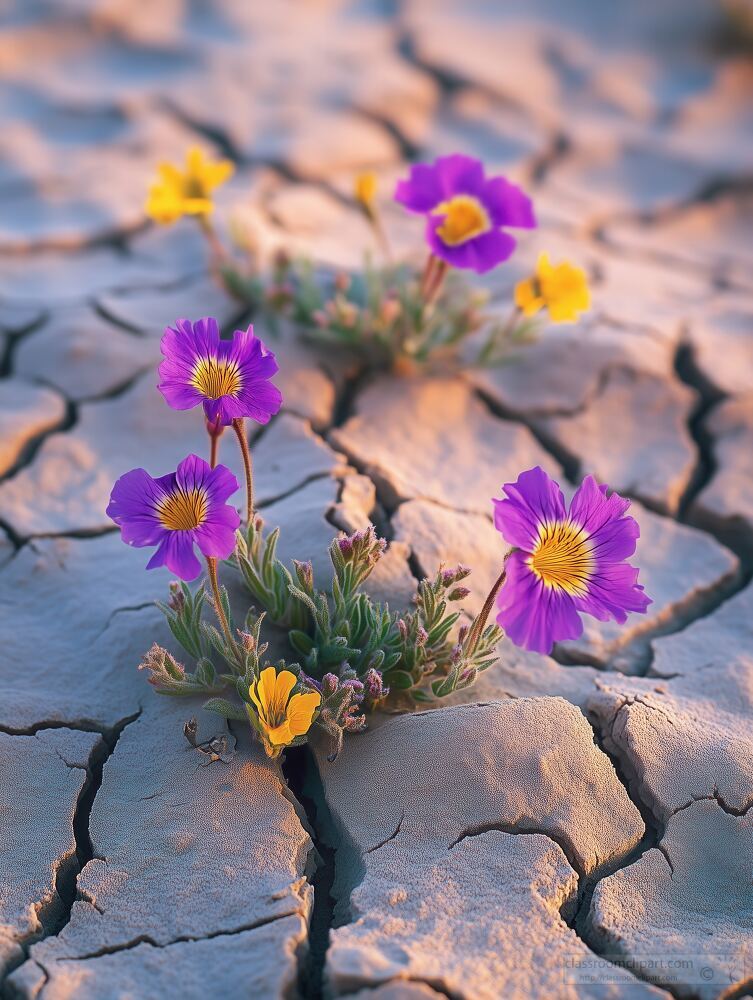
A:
(594, 808)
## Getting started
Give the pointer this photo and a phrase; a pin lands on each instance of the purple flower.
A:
(175, 512)
(230, 377)
(465, 211)
(565, 561)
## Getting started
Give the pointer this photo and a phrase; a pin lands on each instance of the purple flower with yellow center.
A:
(465, 211)
(230, 377)
(176, 512)
(565, 561)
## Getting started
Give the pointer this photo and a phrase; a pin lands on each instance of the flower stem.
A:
(240, 432)
(220, 259)
(479, 624)
(219, 252)
(214, 430)
(496, 336)
(212, 572)
(433, 279)
(426, 276)
(374, 217)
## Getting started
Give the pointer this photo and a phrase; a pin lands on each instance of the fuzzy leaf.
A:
(226, 708)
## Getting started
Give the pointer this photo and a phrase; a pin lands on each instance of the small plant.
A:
(391, 313)
(352, 655)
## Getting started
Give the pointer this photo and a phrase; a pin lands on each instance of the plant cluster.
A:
(392, 313)
(346, 655)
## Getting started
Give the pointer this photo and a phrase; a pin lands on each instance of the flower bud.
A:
(355, 686)
(458, 594)
(330, 684)
(177, 598)
(390, 310)
(214, 427)
(345, 545)
(374, 688)
(247, 641)
(422, 636)
(305, 573)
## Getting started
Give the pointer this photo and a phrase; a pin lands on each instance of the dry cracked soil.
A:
(576, 825)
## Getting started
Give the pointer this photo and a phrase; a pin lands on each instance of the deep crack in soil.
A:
(302, 776)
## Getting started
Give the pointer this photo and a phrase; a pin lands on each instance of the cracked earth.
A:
(594, 805)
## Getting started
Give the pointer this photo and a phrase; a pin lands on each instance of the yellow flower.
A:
(179, 192)
(365, 189)
(560, 288)
(281, 717)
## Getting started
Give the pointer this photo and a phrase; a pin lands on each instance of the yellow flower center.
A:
(214, 377)
(562, 558)
(464, 218)
(183, 509)
(194, 187)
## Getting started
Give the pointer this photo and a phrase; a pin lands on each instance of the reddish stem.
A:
(240, 433)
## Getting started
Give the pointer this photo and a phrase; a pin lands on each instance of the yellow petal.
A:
(265, 689)
(217, 173)
(365, 188)
(198, 206)
(162, 206)
(526, 298)
(286, 681)
(256, 700)
(301, 710)
(170, 175)
(279, 735)
(543, 267)
(195, 160)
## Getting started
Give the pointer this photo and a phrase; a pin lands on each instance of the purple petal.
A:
(422, 191)
(180, 355)
(132, 506)
(253, 357)
(459, 174)
(221, 484)
(612, 592)
(216, 537)
(613, 535)
(533, 615)
(206, 336)
(508, 205)
(176, 552)
(479, 254)
(260, 401)
(192, 473)
(534, 499)
(182, 346)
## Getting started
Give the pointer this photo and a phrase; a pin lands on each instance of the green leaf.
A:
(399, 680)
(205, 672)
(300, 641)
(224, 707)
(422, 697)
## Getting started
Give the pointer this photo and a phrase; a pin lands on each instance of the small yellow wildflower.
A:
(560, 288)
(178, 192)
(281, 717)
(365, 189)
